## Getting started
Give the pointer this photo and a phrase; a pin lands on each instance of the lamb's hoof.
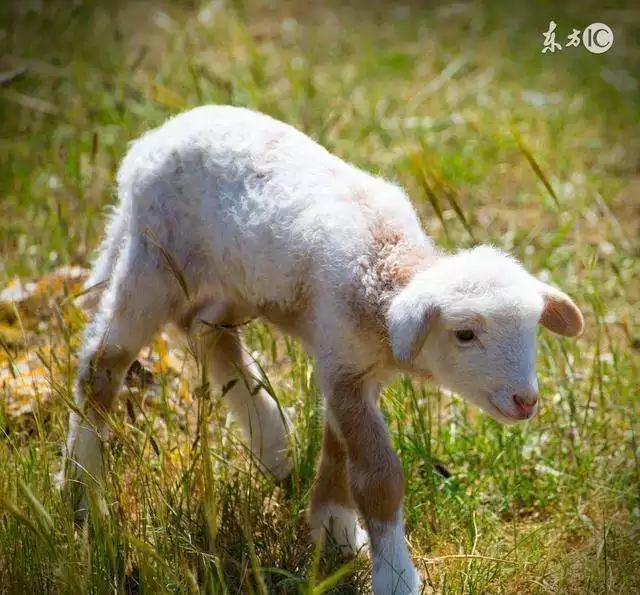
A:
(278, 467)
(355, 544)
(342, 528)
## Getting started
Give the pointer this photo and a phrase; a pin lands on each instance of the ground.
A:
(494, 140)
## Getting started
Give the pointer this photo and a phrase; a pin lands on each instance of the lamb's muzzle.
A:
(226, 214)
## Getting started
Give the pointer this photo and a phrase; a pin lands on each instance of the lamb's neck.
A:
(388, 266)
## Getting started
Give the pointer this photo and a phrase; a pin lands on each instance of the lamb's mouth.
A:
(504, 414)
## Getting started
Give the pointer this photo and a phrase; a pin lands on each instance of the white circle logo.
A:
(597, 38)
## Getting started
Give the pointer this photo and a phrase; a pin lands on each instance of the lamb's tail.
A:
(112, 244)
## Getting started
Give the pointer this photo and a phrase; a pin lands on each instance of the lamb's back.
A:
(253, 202)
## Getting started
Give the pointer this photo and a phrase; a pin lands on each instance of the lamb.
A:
(261, 221)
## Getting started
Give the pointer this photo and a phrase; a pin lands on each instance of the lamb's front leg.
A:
(333, 508)
(376, 480)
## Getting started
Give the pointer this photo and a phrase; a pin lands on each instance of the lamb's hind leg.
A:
(104, 267)
(132, 309)
(264, 424)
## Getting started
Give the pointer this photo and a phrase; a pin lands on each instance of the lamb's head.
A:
(469, 321)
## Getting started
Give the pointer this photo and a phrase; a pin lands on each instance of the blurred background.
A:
(83, 78)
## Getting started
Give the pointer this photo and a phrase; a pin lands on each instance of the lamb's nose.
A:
(526, 403)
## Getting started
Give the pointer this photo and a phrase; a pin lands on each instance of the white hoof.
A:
(390, 579)
(275, 461)
(342, 526)
(393, 571)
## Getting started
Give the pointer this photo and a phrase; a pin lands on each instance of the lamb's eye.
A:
(465, 336)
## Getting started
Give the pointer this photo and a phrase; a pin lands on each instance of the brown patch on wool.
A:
(375, 473)
(98, 382)
(394, 259)
(389, 265)
(331, 485)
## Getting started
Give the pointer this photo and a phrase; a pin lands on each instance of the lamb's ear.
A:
(560, 315)
(409, 319)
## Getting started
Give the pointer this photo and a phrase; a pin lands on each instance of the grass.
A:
(495, 142)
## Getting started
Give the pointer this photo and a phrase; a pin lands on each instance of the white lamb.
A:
(226, 214)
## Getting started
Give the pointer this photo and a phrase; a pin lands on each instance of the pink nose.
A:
(526, 403)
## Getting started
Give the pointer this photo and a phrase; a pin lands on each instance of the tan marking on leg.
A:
(375, 473)
(332, 481)
(101, 379)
